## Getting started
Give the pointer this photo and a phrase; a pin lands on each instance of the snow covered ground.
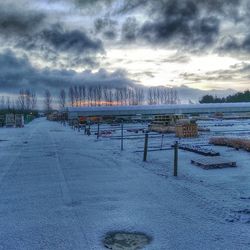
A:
(61, 189)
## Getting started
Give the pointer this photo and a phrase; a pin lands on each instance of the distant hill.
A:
(193, 95)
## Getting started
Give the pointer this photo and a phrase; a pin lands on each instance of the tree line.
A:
(238, 97)
(25, 101)
(78, 96)
(98, 95)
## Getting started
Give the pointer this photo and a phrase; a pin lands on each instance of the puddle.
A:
(126, 240)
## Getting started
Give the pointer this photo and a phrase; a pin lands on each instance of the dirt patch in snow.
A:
(126, 240)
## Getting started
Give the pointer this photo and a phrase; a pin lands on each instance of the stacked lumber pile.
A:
(198, 150)
(161, 128)
(236, 143)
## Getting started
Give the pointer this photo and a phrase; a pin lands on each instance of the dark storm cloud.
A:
(91, 2)
(130, 29)
(219, 6)
(17, 21)
(184, 24)
(24, 27)
(131, 5)
(17, 72)
(61, 36)
(107, 27)
(234, 45)
(200, 31)
(74, 41)
(58, 39)
(52, 44)
(181, 23)
(13, 70)
(187, 24)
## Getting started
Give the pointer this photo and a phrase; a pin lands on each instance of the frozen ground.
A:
(60, 189)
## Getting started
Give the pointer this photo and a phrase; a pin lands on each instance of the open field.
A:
(61, 189)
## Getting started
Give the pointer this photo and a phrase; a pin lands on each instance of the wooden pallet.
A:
(213, 162)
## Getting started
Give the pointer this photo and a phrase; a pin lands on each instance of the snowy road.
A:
(60, 189)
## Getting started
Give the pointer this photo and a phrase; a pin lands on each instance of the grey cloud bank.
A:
(65, 37)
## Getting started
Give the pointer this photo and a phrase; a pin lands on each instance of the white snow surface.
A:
(61, 189)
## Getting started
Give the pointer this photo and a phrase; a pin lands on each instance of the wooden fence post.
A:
(176, 146)
(162, 140)
(88, 131)
(145, 147)
(98, 130)
(122, 136)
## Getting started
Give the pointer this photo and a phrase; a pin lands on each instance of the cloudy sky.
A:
(196, 44)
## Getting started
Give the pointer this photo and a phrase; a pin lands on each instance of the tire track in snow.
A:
(67, 199)
(100, 159)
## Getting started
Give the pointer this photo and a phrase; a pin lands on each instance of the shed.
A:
(19, 120)
(10, 120)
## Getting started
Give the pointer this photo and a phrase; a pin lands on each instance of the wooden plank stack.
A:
(237, 143)
(198, 150)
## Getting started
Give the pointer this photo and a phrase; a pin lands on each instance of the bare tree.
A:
(21, 100)
(110, 97)
(8, 103)
(33, 100)
(27, 95)
(13, 104)
(76, 95)
(105, 95)
(117, 97)
(90, 95)
(2, 102)
(139, 95)
(150, 96)
(121, 97)
(165, 95)
(176, 99)
(71, 96)
(99, 93)
(84, 94)
(62, 99)
(47, 101)
(80, 95)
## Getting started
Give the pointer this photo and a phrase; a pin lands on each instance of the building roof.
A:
(158, 109)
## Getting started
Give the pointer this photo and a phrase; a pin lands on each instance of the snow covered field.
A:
(61, 189)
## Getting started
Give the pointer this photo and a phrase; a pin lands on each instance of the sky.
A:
(190, 44)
